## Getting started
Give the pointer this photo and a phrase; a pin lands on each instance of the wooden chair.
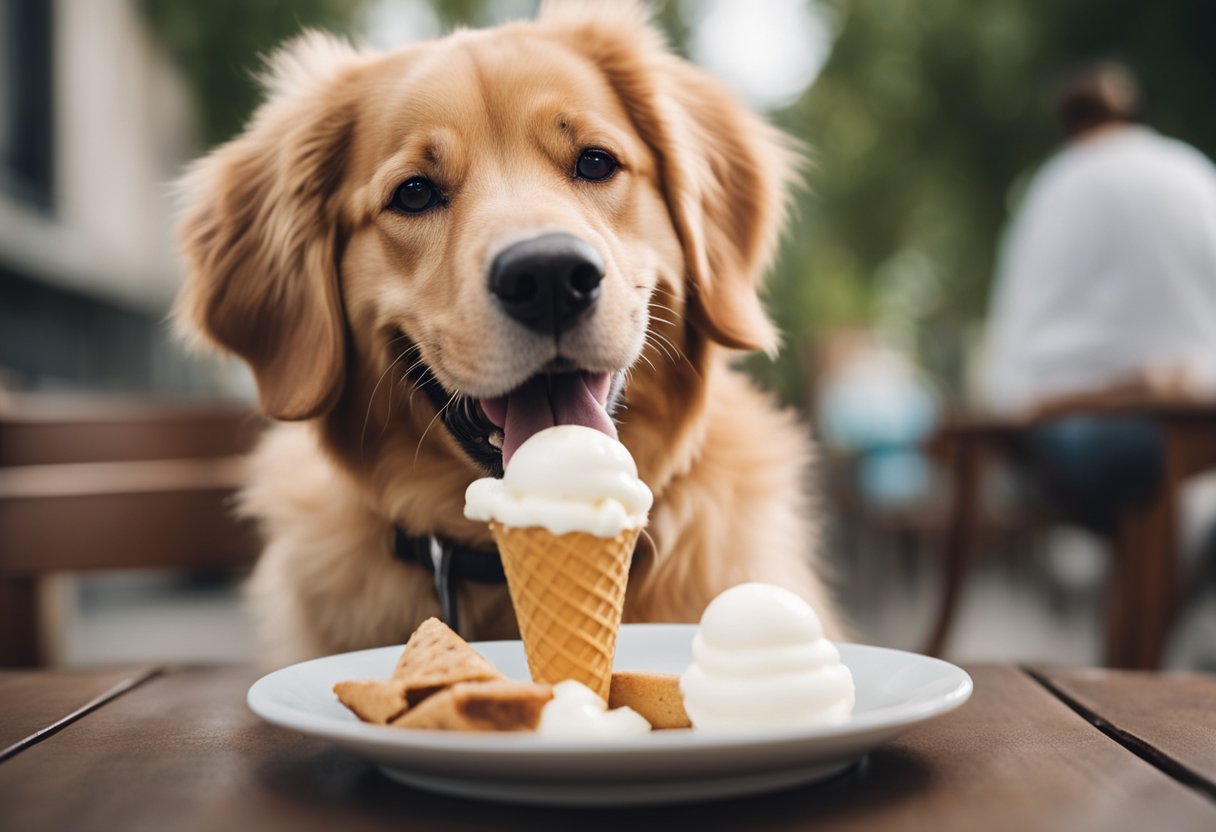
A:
(88, 485)
(1144, 593)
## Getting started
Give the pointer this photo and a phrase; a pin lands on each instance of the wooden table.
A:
(176, 749)
(1144, 592)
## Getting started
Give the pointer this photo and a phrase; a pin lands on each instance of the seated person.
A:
(1106, 293)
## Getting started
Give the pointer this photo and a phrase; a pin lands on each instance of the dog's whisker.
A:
(410, 369)
(663, 345)
(372, 400)
(407, 375)
(388, 417)
(652, 343)
(643, 357)
(658, 292)
(678, 351)
(659, 338)
(429, 425)
(419, 362)
(400, 337)
(657, 349)
(665, 308)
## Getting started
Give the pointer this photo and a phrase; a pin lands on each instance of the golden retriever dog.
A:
(428, 254)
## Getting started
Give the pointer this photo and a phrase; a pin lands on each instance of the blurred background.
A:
(924, 123)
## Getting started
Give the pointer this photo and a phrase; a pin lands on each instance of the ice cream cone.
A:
(566, 515)
(568, 591)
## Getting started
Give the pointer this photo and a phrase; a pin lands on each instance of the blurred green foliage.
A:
(923, 120)
(218, 45)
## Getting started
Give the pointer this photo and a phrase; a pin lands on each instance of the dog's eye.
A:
(416, 195)
(595, 165)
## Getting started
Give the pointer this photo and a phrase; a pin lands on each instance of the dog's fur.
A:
(296, 266)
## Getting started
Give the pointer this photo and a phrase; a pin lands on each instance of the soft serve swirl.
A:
(761, 661)
(567, 478)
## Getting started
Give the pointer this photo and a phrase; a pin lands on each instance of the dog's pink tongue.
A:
(545, 401)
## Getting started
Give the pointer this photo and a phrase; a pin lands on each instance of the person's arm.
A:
(1164, 384)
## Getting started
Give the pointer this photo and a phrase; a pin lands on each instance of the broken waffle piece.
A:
(436, 658)
(373, 700)
(656, 696)
(499, 705)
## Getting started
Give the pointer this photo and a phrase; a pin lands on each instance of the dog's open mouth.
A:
(578, 398)
(491, 430)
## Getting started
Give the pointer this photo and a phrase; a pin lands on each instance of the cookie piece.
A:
(655, 696)
(434, 658)
(373, 700)
(499, 705)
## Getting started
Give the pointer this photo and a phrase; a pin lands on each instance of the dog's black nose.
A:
(548, 282)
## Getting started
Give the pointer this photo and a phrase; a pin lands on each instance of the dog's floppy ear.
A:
(725, 172)
(259, 233)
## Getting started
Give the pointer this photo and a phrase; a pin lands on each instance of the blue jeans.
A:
(1094, 466)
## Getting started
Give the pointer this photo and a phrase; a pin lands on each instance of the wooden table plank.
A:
(1170, 716)
(33, 700)
(181, 751)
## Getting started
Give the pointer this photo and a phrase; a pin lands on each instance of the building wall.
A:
(85, 281)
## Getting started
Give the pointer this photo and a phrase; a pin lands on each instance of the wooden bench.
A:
(90, 485)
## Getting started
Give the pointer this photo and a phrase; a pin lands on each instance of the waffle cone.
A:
(568, 591)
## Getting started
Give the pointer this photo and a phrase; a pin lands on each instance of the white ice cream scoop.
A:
(565, 479)
(576, 712)
(761, 661)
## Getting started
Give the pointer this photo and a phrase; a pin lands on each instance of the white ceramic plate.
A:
(895, 690)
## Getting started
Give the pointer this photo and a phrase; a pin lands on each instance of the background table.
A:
(175, 748)
(1144, 593)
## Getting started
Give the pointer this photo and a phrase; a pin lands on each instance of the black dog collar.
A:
(449, 563)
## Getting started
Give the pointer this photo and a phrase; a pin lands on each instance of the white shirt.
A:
(1109, 268)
